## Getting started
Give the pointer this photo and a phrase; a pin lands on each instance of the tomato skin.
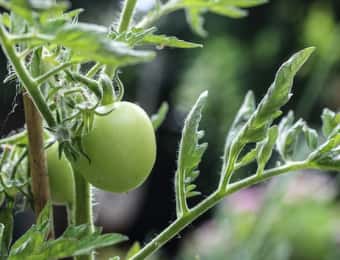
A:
(60, 176)
(121, 148)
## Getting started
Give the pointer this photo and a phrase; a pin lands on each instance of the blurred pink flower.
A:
(247, 200)
(310, 185)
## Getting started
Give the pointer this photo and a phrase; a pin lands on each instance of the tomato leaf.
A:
(288, 136)
(28, 9)
(244, 113)
(251, 126)
(190, 150)
(76, 240)
(277, 95)
(79, 241)
(330, 120)
(230, 8)
(265, 149)
(247, 158)
(134, 249)
(328, 153)
(138, 36)
(89, 42)
(311, 136)
(163, 40)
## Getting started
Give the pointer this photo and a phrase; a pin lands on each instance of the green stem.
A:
(24, 76)
(29, 37)
(43, 78)
(91, 84)
(15, 139)
(180, 223)
(82, 208)
(93, 71)
(127, 15)
(229, 166)
(124, 24)
(181, 202)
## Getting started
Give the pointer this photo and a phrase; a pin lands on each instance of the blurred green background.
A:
(238, 55)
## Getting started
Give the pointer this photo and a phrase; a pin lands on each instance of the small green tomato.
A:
(121, 148)
(60, 177)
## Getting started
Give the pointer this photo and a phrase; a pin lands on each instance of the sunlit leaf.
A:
(258, 121)
(27, 8)
(330, 120)
(288, 136)
(244, 113)
(138, 36)
(190, 150)
(76, 240)
(89, 42)
(163, 40)
(277, 95)
(134, 249)
(312, 137)
(231, 8)
(265, 148)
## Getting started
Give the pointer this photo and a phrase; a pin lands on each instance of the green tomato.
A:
(60, 177)
(121, 147)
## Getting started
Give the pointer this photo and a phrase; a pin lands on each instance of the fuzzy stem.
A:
(181, 202)
(179, 224)
(43, 78)
(25, 78)
(93, 71)
(82, 208)
(126, 15)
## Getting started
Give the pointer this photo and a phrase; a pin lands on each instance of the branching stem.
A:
(126, 15)
(25, 78)
(43, 78)
(181, 203)
(180, 223)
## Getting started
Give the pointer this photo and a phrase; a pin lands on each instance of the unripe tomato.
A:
(60, 176)
(121, 148)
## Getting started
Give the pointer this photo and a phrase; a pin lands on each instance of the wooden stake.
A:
(37, 157)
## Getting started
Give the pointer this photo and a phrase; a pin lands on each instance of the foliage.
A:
(76, 240)
(70, 71)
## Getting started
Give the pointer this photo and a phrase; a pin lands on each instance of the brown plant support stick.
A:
(38, 165)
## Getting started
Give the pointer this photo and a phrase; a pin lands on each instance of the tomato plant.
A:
(68, 73)
(121, 148)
